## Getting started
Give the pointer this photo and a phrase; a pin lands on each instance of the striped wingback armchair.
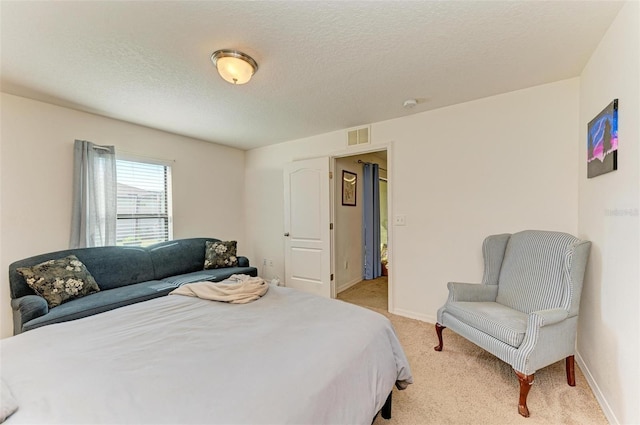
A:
(525, 312)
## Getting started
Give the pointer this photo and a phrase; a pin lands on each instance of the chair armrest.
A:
(28, 308)
(543, 318)
(472, 292)
(243, 261)
(549, 337)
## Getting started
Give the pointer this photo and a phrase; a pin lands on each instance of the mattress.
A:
(287, 358)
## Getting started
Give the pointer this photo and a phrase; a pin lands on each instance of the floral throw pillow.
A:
(59, 281)
(220, 254)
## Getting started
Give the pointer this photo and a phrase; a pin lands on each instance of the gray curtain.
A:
(371, 220)
(93, 220)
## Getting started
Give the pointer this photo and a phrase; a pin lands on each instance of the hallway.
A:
(368, 293)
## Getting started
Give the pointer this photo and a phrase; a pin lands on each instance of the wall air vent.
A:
(358, 136)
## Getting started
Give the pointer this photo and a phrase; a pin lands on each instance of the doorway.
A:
(349, 244)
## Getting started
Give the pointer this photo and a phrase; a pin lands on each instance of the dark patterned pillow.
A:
(59, 281)
(220, 254)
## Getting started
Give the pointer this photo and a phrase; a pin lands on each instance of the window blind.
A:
(144, 213)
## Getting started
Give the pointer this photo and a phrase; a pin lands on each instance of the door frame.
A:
(356, 151)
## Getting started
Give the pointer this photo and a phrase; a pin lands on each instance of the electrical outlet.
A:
(264, 262)
(400, 220)
(270, 263)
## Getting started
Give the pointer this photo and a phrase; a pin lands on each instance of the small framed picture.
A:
(349, 181)
(602, 141)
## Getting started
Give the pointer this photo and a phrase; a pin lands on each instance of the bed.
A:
(287, 358)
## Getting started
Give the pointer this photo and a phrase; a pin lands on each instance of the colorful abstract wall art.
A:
(602, 141)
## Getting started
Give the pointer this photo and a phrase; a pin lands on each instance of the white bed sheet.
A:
(288, 358)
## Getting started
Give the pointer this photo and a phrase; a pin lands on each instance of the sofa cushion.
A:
(110, 266)
(117, 266)
(59, 281)
(213, 275)
(220, 254)
(178, 257)
(100, 302)
(499, 321)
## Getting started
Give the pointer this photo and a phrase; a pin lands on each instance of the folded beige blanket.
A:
(238, 289)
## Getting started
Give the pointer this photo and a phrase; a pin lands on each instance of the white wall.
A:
(499, 164)
(608, 334)
(36, 180)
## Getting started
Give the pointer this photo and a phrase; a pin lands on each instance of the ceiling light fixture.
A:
(234, 66)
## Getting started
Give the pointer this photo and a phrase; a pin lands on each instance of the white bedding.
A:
(287, 358)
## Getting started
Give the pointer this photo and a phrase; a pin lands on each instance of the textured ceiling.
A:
(324, 66)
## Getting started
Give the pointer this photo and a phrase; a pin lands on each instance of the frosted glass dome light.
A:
(234, 66)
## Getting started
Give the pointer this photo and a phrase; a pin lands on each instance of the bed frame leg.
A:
(386, 408)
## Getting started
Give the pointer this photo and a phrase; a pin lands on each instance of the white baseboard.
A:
(606, 408)
(413, 315)
(348, 285)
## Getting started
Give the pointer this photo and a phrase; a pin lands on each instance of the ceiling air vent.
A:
(358, 136)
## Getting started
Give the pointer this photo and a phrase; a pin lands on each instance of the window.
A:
(144, 203)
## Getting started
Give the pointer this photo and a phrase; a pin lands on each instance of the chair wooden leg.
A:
(525, 385)
(439, 329)
(571, 372)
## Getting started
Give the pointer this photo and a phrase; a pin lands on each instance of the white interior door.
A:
(306, 226)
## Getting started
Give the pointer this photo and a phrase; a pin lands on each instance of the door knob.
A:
(287, 234)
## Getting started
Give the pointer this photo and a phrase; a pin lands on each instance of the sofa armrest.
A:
(471, 292)
(27, 308)
(243, 261)
(543, 318)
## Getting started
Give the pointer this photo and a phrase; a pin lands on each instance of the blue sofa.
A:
(125, 275)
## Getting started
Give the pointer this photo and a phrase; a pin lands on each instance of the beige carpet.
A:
(464, 384)
(368, 293)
